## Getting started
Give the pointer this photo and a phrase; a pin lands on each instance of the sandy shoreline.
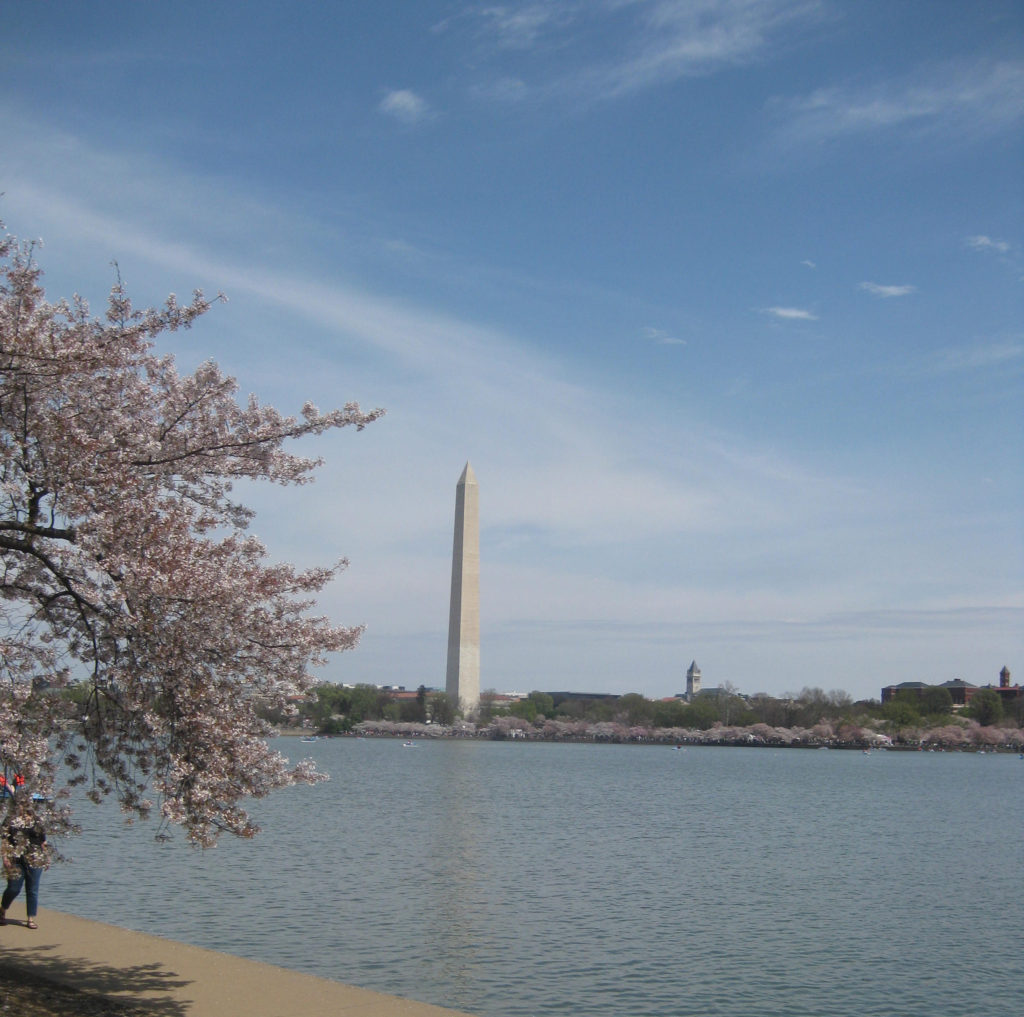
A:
(139, 973)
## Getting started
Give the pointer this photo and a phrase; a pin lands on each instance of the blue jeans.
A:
(29, 877)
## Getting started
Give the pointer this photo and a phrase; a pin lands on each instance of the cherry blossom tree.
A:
(851, 734)
(984, 736)
(948, 736)
(140, 624)
(822, 732)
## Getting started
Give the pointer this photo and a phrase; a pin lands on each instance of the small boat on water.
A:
(309, 738)
(408, 745)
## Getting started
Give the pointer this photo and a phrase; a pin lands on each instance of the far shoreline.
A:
(1009, 747)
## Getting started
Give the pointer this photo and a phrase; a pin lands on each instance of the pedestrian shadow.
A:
(145, 988)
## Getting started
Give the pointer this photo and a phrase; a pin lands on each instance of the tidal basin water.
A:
(514, 880)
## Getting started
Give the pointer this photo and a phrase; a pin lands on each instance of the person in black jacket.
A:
(25, 856)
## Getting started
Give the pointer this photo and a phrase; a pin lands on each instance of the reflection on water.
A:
(458, 896)
(511, 880)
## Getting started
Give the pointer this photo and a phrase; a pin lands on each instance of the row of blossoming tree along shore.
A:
(810, 718)
(967, 737)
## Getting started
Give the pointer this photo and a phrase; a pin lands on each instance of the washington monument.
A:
(463, 678)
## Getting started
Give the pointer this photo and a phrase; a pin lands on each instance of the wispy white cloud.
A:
(969, 98)
(878, 290)
(980, 355)
(790, 313)
(682, 38)
(405, 105)
(618, 47)
(807, 263)
(663, 338)
(522, 27)
(506, 89)
(983, 243)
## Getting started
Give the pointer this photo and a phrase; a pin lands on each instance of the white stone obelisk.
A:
(463, 678)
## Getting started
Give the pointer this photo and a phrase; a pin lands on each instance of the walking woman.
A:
(25, 857)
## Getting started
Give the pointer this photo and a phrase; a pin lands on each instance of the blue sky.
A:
(722, 299)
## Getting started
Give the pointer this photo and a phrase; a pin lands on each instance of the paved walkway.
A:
(175, 980)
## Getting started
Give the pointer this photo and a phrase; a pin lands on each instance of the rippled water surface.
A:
(512, 880)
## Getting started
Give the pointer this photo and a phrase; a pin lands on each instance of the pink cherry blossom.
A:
(140, 625)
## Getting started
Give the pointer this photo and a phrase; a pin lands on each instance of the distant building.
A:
(597, 697)
(960, 692)
(692, 681)
(891, 691)
(1006, 690)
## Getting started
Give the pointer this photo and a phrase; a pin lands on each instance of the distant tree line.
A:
(336, 709)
